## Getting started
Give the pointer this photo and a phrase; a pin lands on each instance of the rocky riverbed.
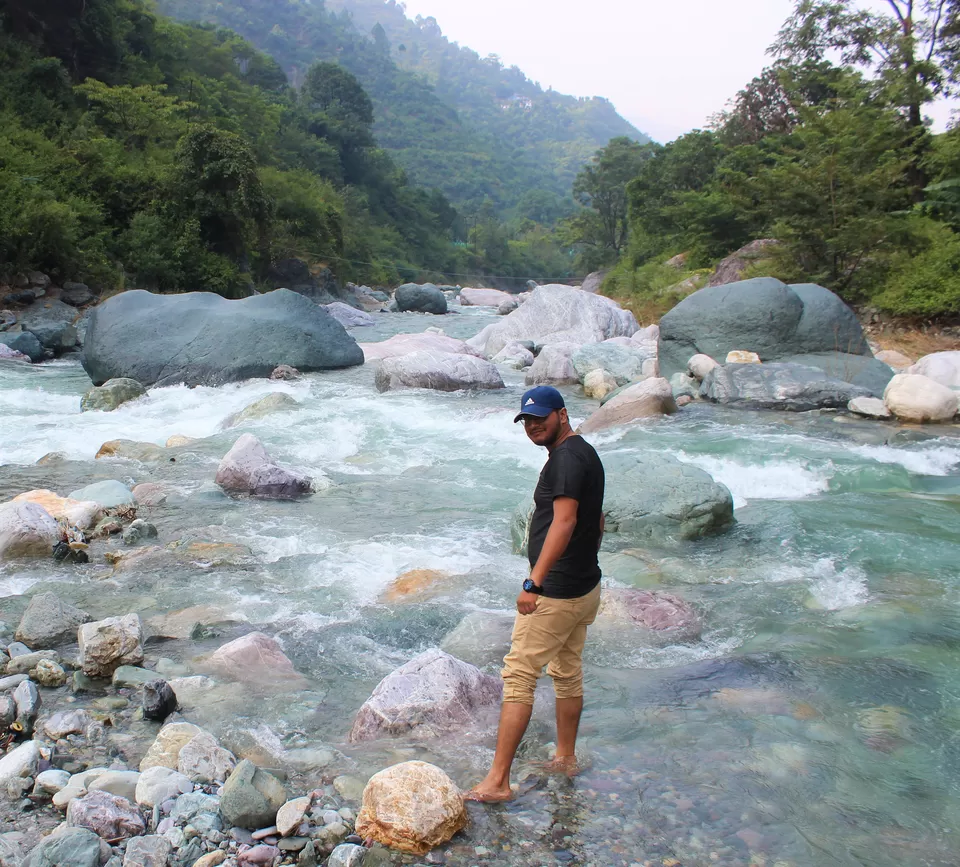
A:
(799, 707)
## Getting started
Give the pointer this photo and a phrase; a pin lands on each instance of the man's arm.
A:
(603, 526)
(558, 537)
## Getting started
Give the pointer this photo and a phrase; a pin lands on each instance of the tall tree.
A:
(914, 47)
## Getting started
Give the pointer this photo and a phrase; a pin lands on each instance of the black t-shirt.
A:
(572, 470)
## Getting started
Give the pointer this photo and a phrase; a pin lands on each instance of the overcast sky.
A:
(666, 66)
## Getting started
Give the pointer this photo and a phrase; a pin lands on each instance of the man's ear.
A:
(564, 417)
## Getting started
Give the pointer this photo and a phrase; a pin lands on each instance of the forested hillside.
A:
(457, 122)
(136, 151)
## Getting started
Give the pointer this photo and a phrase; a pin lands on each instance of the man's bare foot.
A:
(489, 796)
(562, 765)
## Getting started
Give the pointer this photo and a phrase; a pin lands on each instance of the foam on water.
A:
(834, 588)
(938, 459)
(770, 480)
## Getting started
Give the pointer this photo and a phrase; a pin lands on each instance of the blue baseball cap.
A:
(540, 401)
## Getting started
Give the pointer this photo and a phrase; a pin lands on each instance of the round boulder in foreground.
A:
(413, 807)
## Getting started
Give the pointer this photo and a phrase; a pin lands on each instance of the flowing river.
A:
(817, 722)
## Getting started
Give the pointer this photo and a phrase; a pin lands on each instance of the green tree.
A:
(601, 230)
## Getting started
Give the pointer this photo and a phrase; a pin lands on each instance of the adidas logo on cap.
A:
(529, 401)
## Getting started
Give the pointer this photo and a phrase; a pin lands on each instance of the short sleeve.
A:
(567, 473)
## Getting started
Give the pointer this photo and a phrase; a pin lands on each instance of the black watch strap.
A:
(530, 587)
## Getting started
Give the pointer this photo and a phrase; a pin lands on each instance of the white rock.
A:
(50, 782)
(165, 749)
(158, 784)
(107, 644)
(483, 297)
(558, 314)
(71, 722)
(515, 355)
(598, 384)
(742, 356)
(203, 760)
(122, 784)
(915, 398)
(441, 371)
(26, 530)
(871, 407)
(19, 763)
(554, 365)
(291, 815)
(148, 851)
(700, 365)
(941, 367)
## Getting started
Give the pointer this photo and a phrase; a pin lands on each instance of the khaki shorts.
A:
(554, 636)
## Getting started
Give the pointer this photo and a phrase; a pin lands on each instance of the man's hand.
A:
(527, 602)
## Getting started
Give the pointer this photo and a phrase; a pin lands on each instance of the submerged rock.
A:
(199, 338)
(111, 394)
(482, 638)
(413, 807)
(431, 694)
(664, 618)
(278, 401)
(441, 371)
(254, 658)
(248, 469)
(107, 494)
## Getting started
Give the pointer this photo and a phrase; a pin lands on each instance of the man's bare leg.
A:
(568, 723)
(495, 786)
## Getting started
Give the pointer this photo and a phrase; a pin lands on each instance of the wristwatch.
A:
(530, 587)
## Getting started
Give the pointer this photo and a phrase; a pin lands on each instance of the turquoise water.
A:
(816, 722)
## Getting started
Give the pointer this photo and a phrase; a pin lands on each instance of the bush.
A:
(928, 284)
(653, 288)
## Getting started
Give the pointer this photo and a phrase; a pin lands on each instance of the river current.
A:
(817, 722)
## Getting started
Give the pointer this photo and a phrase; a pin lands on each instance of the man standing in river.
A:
(560, 598)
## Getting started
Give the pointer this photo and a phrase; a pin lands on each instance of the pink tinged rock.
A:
(413, 807)
(108, 816)
(648, 399)
(77, 513)
(291, 814)
(150, 494)
(71, 722)
(8, 354)
(248, 469)
(26, 530)
(671, 618)
(431, 694)
(404, 344)
(258, 856)
(107, 644)
(254, 658)
(483, 297)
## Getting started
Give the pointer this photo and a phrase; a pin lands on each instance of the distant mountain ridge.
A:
(455, 121)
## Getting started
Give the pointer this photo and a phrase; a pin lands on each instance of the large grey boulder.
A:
(792, 387)
(26, 530)
(49, 622)
(52, 323)
(71, 847)
(107, 397)
(417, 298)
(199, 338)
(862, 370)
(23, 342)
(650, 496)
(764, 316)
(432, 694)
(441, 371)
(248, 469)
(558, 314)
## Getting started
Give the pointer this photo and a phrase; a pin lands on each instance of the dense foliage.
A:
(136, 151)
(832, 160)
(455, 121)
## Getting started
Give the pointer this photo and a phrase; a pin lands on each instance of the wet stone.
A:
(159, 700)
